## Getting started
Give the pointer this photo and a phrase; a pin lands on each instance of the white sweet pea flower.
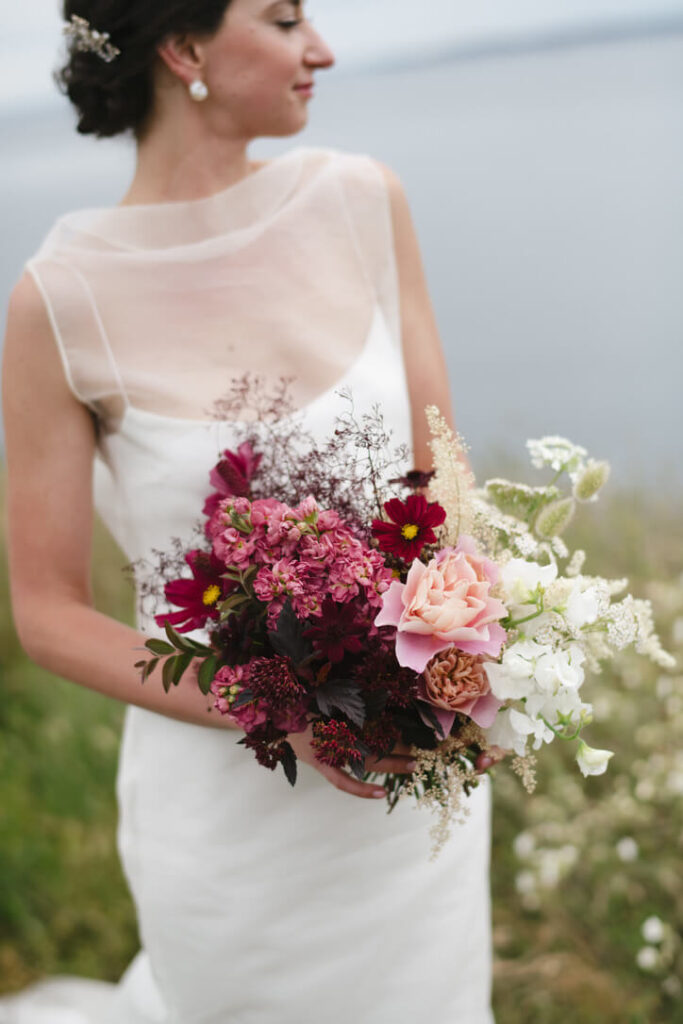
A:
(520, 578)
(592, 761)
(509, 731)
(565, 702)
(512, 679)
(560, 668)
(582, 606)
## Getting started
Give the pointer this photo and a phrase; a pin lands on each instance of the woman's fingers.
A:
(490, 757)
(349, 784)
(396, 764)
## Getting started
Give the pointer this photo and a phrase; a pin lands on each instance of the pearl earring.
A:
(198, 90)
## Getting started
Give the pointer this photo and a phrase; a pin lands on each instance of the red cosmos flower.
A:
(337, 631)
(231, 476)
(199, 597)
(411, 525)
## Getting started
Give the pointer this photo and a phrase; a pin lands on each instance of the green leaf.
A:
(183, 662)
(206, 673)
(179, 642)
(159, 647)
(149, 668)
(167, 672)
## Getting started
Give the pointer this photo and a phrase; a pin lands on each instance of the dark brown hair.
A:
(117, 97)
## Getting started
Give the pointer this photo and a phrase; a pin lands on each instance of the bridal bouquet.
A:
(415, 608)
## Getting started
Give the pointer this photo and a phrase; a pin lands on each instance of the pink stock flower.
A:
(445, 603)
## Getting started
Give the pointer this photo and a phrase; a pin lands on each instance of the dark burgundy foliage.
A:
(269, 744)
(337, 631)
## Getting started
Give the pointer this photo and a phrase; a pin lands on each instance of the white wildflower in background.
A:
(672, 986)
(524, 845)
(677, 631)
(554, 865)
(525, 882)
(648, 958)
(674, 782)
(627, 849)
(652, 929)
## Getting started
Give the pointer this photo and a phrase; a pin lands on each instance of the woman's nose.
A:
(318, 52)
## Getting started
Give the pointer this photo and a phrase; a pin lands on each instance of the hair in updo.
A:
(117, 97)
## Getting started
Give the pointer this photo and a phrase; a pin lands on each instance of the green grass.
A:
(565, 937)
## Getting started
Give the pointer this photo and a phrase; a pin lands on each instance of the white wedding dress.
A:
(257, 902)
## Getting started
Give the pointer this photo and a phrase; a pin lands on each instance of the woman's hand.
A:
(398, 762)
(490, 757)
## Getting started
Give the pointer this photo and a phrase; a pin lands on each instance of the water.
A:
(546, 193)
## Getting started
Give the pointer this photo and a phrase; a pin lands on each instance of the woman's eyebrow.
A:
(278, 3)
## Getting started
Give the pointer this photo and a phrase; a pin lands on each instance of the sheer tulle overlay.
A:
(257, 903)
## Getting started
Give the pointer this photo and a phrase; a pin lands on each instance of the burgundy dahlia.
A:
(410, 527)
(198, 598)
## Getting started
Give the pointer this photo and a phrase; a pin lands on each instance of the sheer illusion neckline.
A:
(241, 206)
(373, 338)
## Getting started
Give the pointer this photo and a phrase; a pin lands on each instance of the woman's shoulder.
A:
(357, 165)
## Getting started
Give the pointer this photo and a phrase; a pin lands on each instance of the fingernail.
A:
(379, 792)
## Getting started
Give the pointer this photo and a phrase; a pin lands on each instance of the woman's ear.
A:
(183, 56)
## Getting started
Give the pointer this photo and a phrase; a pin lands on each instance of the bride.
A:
(256, 902)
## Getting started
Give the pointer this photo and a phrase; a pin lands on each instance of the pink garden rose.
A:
(445, 603)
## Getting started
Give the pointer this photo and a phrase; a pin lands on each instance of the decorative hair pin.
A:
(86, 39)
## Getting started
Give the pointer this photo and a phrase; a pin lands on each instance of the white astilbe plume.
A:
(452, 484)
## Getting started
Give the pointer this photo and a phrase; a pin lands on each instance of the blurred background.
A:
(541, 147)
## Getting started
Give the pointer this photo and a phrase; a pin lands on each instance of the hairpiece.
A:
(86, 39)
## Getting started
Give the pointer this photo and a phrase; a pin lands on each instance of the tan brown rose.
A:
(454, 679)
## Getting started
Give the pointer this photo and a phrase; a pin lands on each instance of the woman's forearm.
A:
(83, 645)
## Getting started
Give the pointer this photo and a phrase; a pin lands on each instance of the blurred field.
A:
(577, 868)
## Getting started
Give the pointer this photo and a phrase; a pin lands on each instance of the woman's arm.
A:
(422, 349)
(50, 446)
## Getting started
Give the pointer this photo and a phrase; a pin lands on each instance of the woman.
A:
(256, 902)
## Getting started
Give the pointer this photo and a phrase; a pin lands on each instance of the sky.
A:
(360, 32)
